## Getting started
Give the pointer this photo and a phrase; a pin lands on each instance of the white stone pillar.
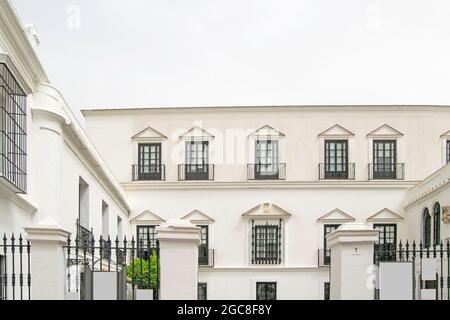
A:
(352, 247)
(48, 261)
(179, 241)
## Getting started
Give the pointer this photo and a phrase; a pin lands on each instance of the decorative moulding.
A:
(446, 134)
(198, 217)
(197, 134)
(148, 216)
(385, 215)
(267, 132)
(149, 134)
(336, 131)
(336, 215)
(385, 131)
(265, 210)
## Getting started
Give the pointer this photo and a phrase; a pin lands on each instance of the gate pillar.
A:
(352, 268)
(179, 241)
(48, 263)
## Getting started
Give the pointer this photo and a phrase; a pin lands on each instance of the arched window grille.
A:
(426, 228)
(437, 223)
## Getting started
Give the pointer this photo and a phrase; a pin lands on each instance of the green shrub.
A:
(141, 274)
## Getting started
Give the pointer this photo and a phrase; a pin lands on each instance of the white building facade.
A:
(264, 184)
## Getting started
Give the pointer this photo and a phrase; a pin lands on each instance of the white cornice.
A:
(162, 185)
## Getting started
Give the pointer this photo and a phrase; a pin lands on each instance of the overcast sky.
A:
(143, 53)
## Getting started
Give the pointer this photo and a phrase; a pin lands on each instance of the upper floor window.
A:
(266, 291)
(197, 165)
(384, 159)
(203, 250)
(336, 159)
(13, 131)
(150, 166)
(266, 243)
(437, 224)
(426, 228)
(266, 160)
(448, 151)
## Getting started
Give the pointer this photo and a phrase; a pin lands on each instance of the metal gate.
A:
(15, 272)
(133, 264)
(431, 267)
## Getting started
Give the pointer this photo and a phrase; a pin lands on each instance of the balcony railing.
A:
(205, 257)
(193, 172)
(386, 171)
(324, 257)
(337, 171)
(148, 172)
(266, 171)
(84, 237)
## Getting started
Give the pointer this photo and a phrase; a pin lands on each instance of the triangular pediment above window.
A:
(336, 215)
(446, 134)
(198, 217)
(267, 210)
(385, 215)
(149, 134)
(148, 217)
(198, 134)
(267, 132)
(385, 131)
(336, 131)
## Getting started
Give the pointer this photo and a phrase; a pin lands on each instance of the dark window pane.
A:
(266, 159)
(336, 159)
(266, 291)
(202, 291)
(426, 224)
(384, 159)
(146, 241)
(437, 224)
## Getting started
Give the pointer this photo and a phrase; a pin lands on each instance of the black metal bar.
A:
(68, 262)
(13, 275)
(253, 242)
(21, 268)
(5, 270)
(132, 268)
(29, 269)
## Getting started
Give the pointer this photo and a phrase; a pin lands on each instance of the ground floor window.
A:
(2, 276)
(326, 291)
(202, 291)
(266, 291)
(387, 242)
(146, 236)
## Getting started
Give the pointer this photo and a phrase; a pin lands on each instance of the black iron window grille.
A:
(436, 223)
(267, 166)
(426, 228)
(385, 164)
(448, 151)
(266, 243)
(336, 159)
(266, 291)
(84, 235)
(13, 131)
(327, 229)
(387, 240)
(149, 166)
(197, 165)
(203, 250)
(15, 271)
(147, 241)
(202, 291)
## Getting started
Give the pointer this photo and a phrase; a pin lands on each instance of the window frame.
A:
(154, 169)
(202, 286)
(265, 292)
(203, 249)
(148, 240)
(266, 161)
(326, 252)
(200, 169)
(388, 250)
(267, 243)
(426, 228)
(436, 223)
(384, 174)
(336, 174)
(447, 148)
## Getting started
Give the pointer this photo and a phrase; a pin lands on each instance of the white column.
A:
(179, 241)
(352, 247)
(48, 261)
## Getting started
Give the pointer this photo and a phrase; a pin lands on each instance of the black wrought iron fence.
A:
(438, 255)
(136, 263)
(15, 272)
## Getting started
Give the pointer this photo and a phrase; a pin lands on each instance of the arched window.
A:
(426, 228)
(437, 223)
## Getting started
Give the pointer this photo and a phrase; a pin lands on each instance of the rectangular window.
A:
(146, 236)
(384, 159)
(83, 204)
(202, 291)
(203, 253)
(385, 248)
(197, 163)
(150, 167)
(326, 291)
(336, 159)
(119, 228)
(448, 151)
(105, 219)
(267, 244)
(328, 228)
(13, 131)
(266, 160)
(266, 291)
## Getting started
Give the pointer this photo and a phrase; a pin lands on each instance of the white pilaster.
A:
(179, 241)
(48, 262)
(352, 246)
